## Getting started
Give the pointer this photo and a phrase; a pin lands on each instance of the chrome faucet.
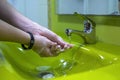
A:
(88, 34)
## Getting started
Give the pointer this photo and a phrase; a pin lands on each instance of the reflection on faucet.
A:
(88, 34)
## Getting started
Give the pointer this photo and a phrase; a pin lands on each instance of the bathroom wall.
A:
(37, 10)
(107, 28)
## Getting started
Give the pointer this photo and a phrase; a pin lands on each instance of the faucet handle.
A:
(85, 18)
(68, 32)
(87, 26)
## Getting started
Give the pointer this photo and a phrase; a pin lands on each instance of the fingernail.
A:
(65, 46)
(68, 47)
(58, 47)
(61, 50)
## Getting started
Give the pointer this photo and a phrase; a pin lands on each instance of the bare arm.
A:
(12, 34)
(12, 16)
(42, 45)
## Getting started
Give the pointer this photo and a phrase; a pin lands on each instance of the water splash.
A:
(70, 39)
(2, 58)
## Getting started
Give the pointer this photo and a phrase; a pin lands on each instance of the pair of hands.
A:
(47, 43)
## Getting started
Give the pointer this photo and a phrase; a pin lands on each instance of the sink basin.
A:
(81, 60)
(96, 62)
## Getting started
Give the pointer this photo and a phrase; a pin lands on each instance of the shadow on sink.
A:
(78, 59)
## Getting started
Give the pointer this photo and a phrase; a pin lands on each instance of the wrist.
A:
(31, 43)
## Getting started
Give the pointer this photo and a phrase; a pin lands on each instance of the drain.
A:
(45, 75)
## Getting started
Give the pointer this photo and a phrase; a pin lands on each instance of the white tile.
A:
(36, 10)
(41, 2)
(38, 14)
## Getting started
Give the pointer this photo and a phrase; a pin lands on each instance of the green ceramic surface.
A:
(98, 59)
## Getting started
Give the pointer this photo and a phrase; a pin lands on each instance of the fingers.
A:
(47, 48)
(46, 53)
(63, 44)
(53, 49)
(42, 31)
(53, 37)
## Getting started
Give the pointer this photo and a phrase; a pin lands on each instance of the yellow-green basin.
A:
(99, 61)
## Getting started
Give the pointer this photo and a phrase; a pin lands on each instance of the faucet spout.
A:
(69, 32)
(89, 38)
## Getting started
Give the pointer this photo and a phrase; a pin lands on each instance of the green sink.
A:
(92, 61)
(95, 62)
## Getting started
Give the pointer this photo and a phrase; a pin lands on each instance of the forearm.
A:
(12, 34)
(12, 16)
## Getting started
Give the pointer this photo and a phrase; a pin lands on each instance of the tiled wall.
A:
(37, 10)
